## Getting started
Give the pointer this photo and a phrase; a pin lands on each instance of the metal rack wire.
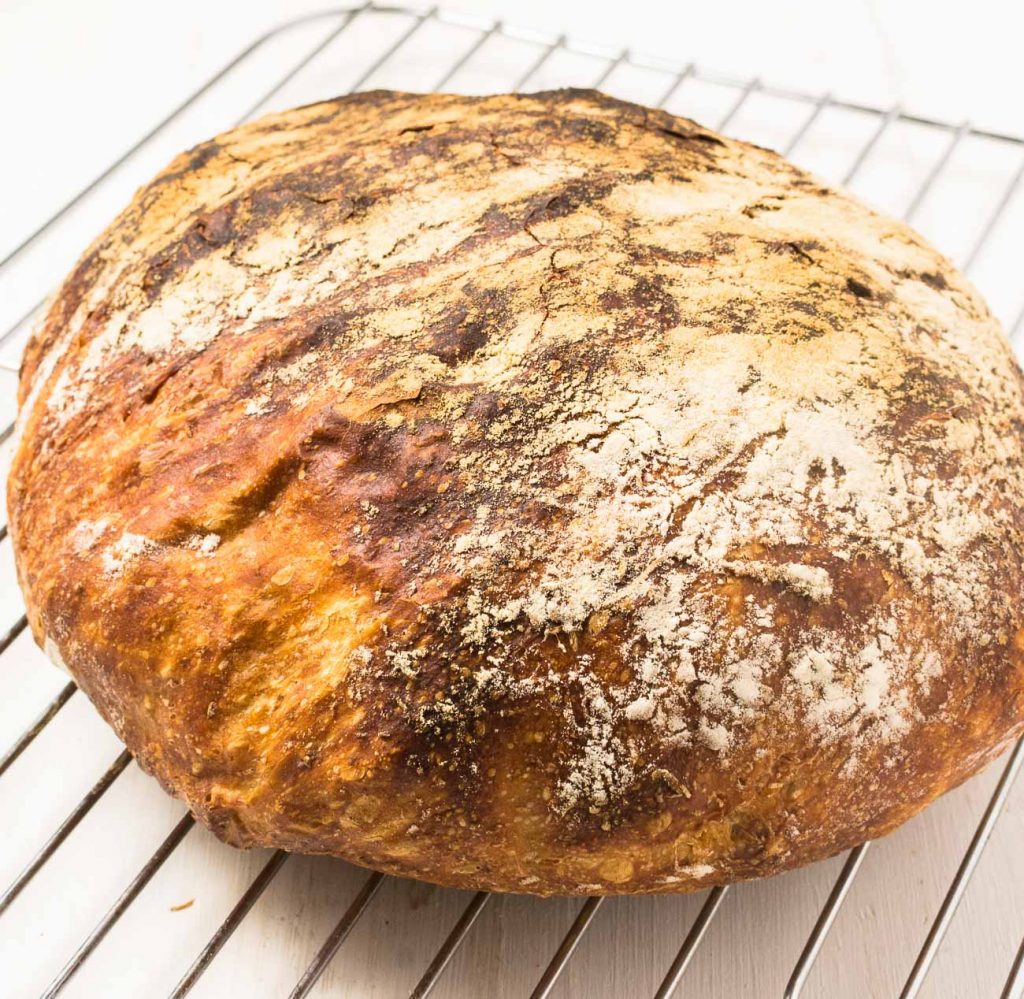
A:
(332, 25)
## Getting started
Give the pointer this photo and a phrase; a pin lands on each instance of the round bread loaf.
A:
(533, 493)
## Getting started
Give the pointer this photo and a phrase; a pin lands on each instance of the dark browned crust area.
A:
(535, 493)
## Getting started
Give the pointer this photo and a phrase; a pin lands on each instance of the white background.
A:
(80, 81)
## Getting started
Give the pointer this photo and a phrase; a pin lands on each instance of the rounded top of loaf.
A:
(540, 493)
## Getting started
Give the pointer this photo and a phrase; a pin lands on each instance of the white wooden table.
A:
(955, 185)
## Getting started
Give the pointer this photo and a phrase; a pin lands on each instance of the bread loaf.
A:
(532, 493)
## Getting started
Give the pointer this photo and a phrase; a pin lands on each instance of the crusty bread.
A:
(535, 493)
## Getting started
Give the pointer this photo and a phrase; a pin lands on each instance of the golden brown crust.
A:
(534, 493)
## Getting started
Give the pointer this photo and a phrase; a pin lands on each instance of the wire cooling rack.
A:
(102, 899)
